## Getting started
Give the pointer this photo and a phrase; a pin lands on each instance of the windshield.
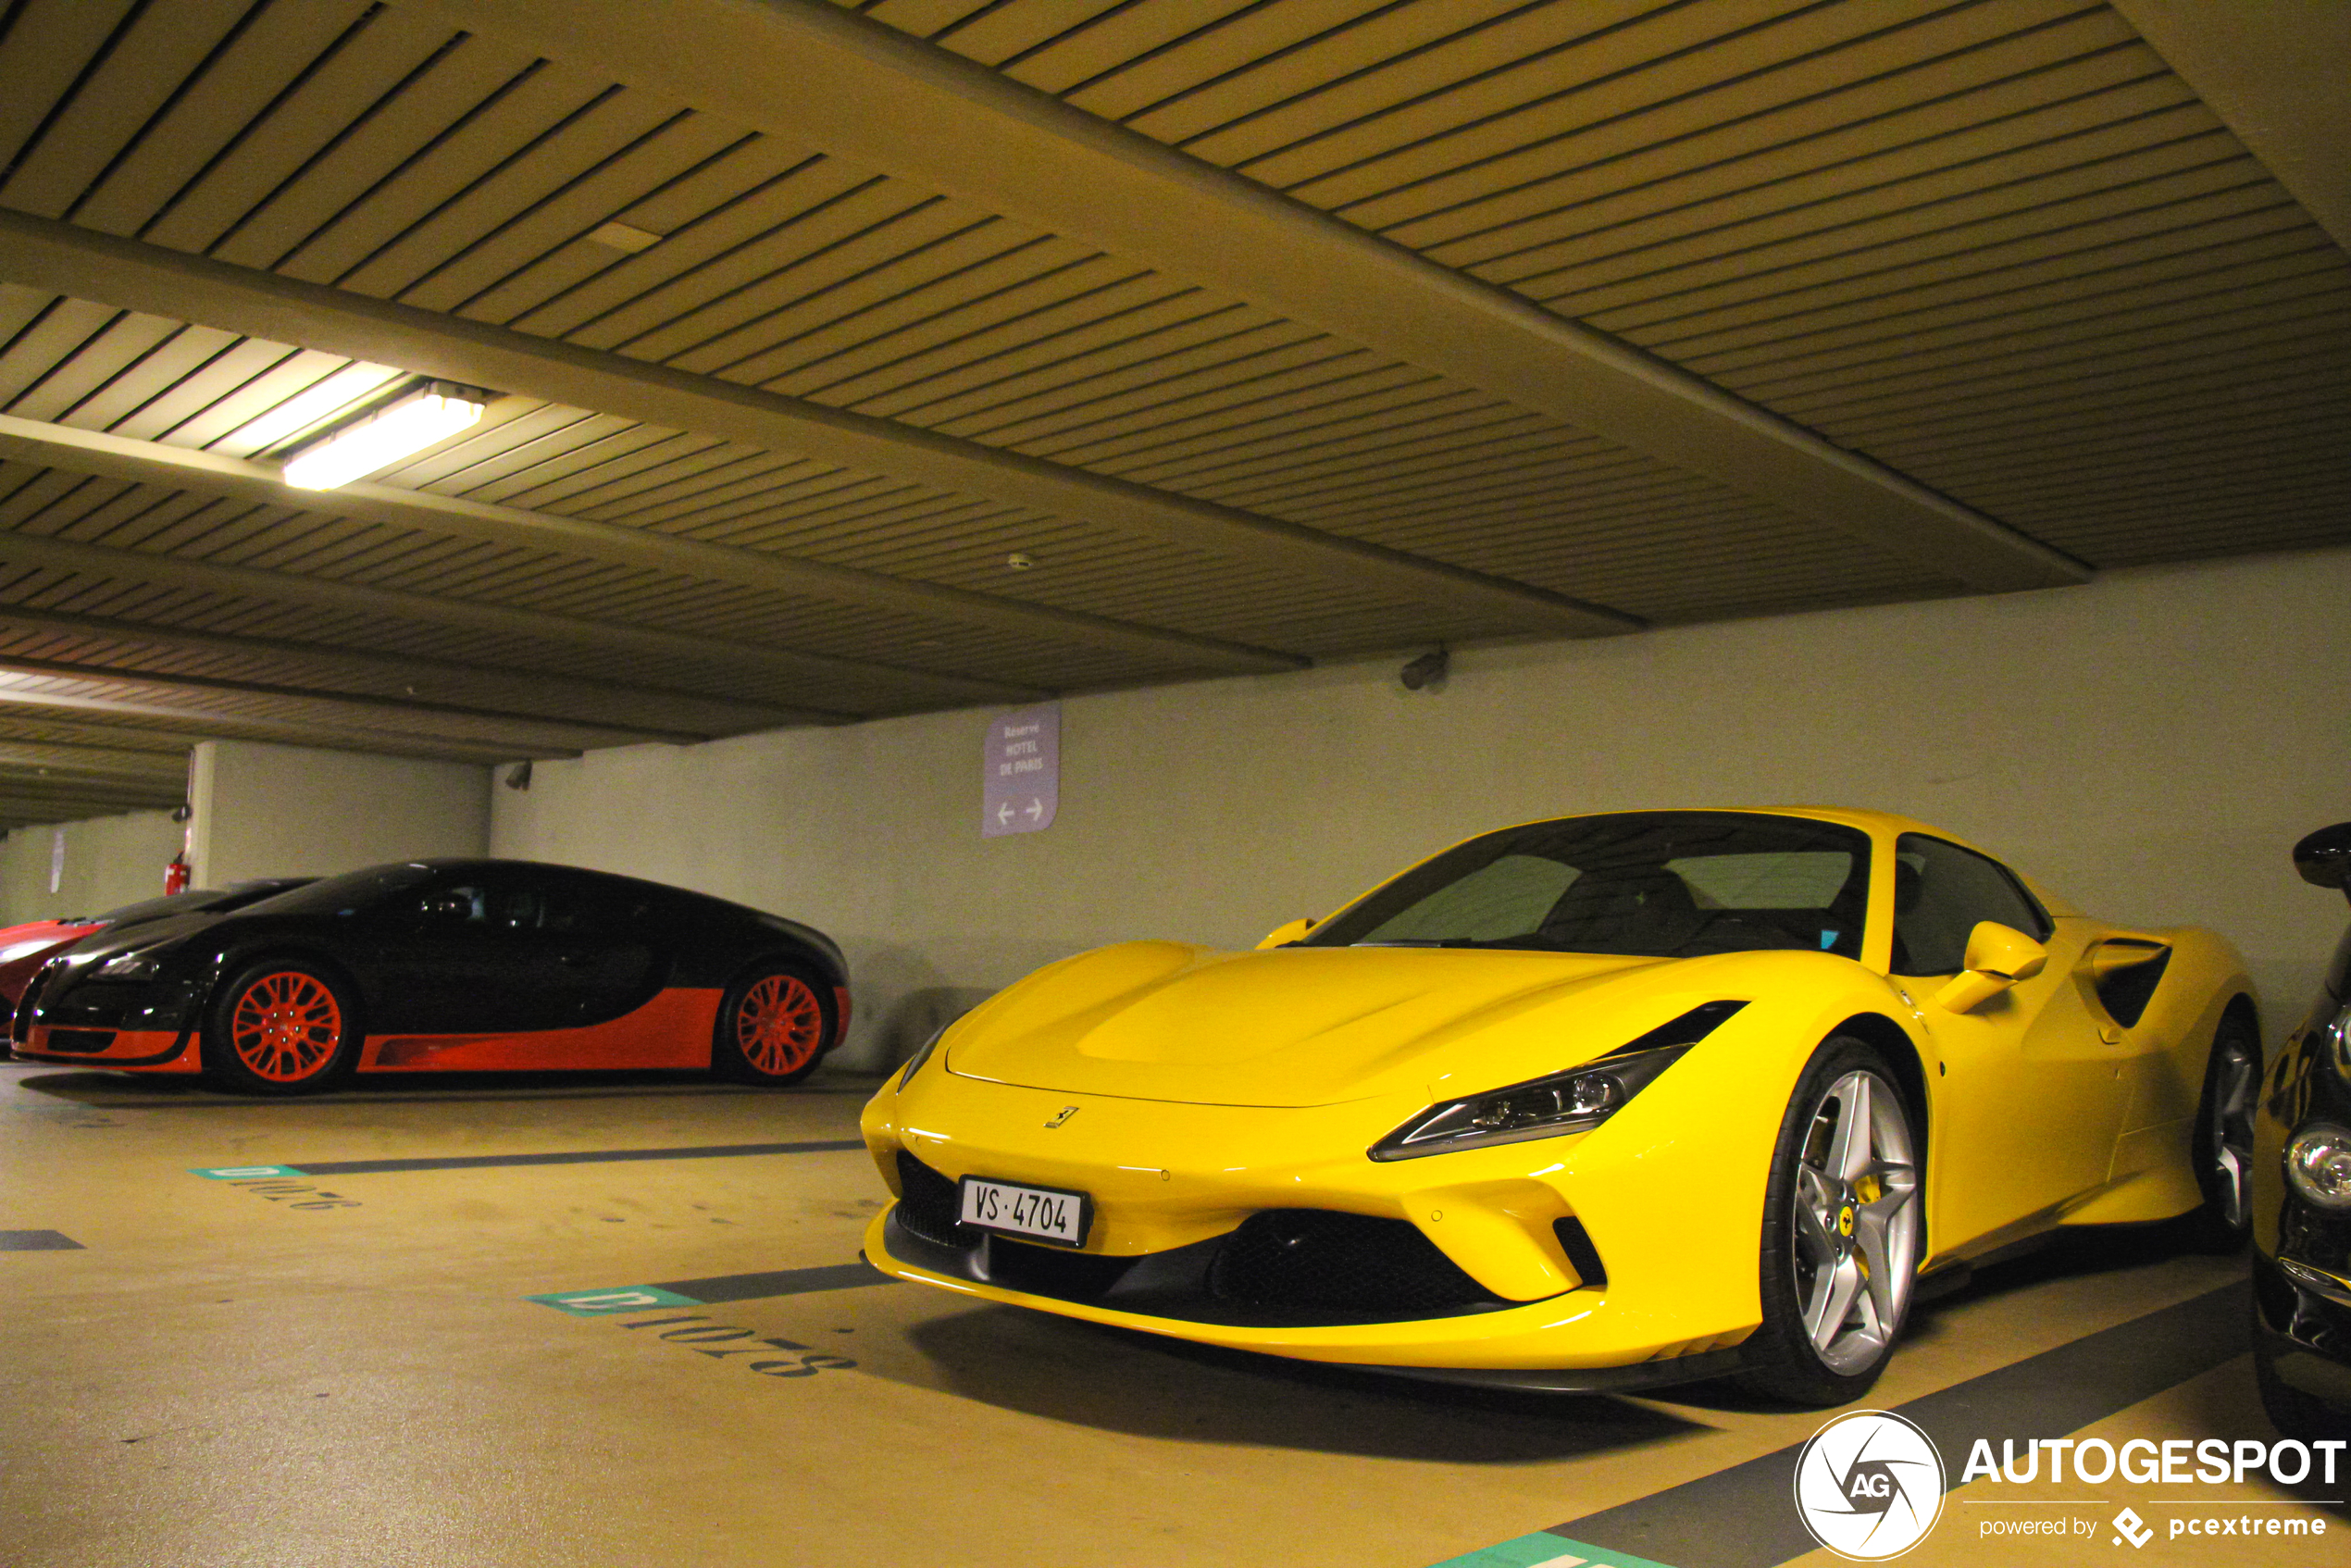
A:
(348, 893)
(1677, 884)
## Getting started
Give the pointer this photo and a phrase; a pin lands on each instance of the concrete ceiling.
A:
(1266, 330)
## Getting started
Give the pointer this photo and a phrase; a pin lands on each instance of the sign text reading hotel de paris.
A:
(1020, 772)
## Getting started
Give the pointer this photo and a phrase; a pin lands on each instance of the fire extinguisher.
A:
(175, 876)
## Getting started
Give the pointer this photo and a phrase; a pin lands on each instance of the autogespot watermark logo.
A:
(2176, 1464)
(1869, 1485)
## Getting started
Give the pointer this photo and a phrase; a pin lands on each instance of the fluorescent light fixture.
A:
(322, 401)
(434, 411)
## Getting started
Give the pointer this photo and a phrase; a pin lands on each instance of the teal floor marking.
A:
(1544, 1549)
(245, 1173)
(602, 1303)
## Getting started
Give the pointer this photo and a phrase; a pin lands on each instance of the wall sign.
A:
(1021, 772)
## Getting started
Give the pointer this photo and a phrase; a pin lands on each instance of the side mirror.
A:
(2324, 858)
(1282, 936)
(1998, 957)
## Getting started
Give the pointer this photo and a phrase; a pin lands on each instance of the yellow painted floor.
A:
(227, 1374)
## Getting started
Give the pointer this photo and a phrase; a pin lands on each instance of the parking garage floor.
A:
(621, 1319)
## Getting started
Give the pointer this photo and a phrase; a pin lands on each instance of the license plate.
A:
(1039, 1214)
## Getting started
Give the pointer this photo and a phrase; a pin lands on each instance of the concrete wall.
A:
(108, 860)
(290, 811)
(2149, 746)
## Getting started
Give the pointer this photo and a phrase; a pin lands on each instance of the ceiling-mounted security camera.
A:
(181, 812)
(1428, 670)
(519, 776)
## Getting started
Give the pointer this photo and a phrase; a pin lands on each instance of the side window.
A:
(464, 904)
(588, 909)
(1508, 898)
(493, 906)
(1940, 892)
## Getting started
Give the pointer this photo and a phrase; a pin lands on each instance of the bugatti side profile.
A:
(1590, 1103)
(2302, 1194)
(445, 965)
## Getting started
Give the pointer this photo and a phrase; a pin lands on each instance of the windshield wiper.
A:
(1418, 941)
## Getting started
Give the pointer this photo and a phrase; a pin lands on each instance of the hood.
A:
(1294, 1027)
(146, 934)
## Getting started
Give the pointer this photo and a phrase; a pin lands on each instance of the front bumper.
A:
(1171, 1183)
(154, 1050)
(1524, 1346)
(2302, 1328)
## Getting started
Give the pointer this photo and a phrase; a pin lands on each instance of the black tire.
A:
(2223, 1148)
(280, 1026)
(2291, 1412)
(775, 1023)
(1837, 1219)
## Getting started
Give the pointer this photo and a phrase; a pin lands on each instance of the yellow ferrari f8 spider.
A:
(1593, 1103)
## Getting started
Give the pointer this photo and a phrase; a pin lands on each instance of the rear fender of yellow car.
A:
(2152, 1176)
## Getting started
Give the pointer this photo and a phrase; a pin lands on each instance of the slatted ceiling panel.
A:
(250, 707)
(882, 243)
(1214, 343)
(1612, 188)
(256, 139)
(22, 726)
(713, 219)
(2114, 174)
(2053, 244)
(1045, 319)
(1003, 301)
(1198, 454)
(533, 250)
(1713, 124)
(2197, 303)
(858, 286)
(431, 195)
(1514, 454)
(23, 722)
(375, 164)
(285, 540)
(262, 57)
(2066, 371)
(155, 48)
(1834, 324)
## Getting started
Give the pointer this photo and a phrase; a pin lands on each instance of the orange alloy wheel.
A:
(285, 1025)
(779, 1025)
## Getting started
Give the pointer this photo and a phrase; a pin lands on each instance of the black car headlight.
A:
(130, 967)
(1574, 1100)
(2318, 1162)
(2335, 1037)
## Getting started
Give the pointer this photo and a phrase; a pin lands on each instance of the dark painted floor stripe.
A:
(779, 1282)
(581, 1157)
(40, 1241)
(2050, 1395)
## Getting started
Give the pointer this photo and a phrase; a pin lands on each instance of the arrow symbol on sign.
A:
(1035, 810)
(1003, 813)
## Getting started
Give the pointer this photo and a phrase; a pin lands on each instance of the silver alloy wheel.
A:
(1856, 1222)
(2229, 1135)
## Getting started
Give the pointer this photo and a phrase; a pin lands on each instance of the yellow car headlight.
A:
(915, 1063)
(1574, 1100)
